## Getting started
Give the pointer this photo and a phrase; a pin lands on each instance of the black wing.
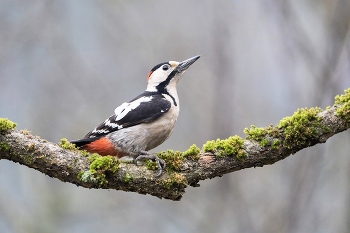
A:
(144, 108)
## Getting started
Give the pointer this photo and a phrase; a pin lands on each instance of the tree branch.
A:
(74, 167)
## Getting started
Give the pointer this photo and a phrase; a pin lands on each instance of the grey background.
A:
(66, 65)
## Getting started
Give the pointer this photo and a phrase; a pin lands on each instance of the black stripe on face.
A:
(159, 65)
(166, 82)
(162, 86)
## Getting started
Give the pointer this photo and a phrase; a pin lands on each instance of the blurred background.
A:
(66, 65)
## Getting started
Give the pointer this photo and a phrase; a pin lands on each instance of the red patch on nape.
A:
(102, 146)
(149, 75)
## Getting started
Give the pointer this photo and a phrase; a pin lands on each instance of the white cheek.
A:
(159, 76)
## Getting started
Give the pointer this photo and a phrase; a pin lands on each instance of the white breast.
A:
(147, 136)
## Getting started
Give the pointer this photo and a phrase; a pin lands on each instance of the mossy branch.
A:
(262, 146)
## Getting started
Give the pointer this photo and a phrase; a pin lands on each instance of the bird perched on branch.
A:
(143, 123)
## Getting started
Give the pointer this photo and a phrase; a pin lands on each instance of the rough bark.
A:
(65, 165)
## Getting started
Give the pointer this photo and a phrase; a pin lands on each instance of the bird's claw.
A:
(138, 158)
(160, 162)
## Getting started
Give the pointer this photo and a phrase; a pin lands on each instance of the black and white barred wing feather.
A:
(144, 108)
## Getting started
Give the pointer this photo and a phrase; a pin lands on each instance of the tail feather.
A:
(84, 141)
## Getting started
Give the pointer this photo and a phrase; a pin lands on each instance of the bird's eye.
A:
(165, 67)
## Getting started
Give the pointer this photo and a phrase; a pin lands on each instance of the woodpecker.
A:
(143, 123)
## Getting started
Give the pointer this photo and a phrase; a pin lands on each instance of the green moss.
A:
(93, 157)
(6, 124)
(276, 144)
(102, 166)
(325, 129)
(258, 134)
(30, 159)
(255, 133)
(4, 146)
(300, 129)
(128, 177)
(80, 175)
(344, 112)
(27, 158)
(343, 98)
(105, 163)
(273, 131)
(174, 179)
(151, 165)
(210, 146)
(84, 153)
(192, 152)
(264, 142)
(172, 159)
(228, 147)
(65, 144)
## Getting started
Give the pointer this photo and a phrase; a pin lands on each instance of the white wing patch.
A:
(140, 110)
(125, 108)
(120, 108)
(101, 131)
(112, 125)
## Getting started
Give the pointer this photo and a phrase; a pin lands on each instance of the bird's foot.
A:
(146, 155)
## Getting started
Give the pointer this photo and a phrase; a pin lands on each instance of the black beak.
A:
(185, 64)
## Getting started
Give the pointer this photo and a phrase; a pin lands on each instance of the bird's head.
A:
(167, 73)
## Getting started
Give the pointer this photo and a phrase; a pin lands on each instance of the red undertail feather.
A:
(102, 146)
